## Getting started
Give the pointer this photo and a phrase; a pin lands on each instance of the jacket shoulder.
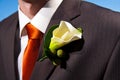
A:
(101, 15)
(9, 19)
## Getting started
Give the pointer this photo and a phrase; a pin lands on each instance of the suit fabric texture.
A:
(95, 57)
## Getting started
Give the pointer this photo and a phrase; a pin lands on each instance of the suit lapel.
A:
(8, 49)
(43, 70)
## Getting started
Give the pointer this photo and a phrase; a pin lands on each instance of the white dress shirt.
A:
(40, 21)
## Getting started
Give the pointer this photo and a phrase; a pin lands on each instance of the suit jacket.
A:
(95, 57)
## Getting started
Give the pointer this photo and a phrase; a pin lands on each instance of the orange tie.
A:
(31, 51)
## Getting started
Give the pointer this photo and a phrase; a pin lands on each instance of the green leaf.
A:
(47, 40)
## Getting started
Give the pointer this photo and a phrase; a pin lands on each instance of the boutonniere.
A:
(57, 37)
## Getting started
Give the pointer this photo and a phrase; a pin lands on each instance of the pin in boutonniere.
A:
(57, 37)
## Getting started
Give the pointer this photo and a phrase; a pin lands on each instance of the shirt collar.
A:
(42, 18)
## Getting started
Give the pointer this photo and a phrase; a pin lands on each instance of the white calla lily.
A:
(63, 35)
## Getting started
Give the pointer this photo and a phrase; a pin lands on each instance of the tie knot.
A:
(33, 33)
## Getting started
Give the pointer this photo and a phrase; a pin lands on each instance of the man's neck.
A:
(31, 8)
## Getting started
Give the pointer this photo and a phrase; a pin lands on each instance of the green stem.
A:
(43, 58)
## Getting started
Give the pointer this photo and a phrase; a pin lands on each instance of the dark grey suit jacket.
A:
(95, 57)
